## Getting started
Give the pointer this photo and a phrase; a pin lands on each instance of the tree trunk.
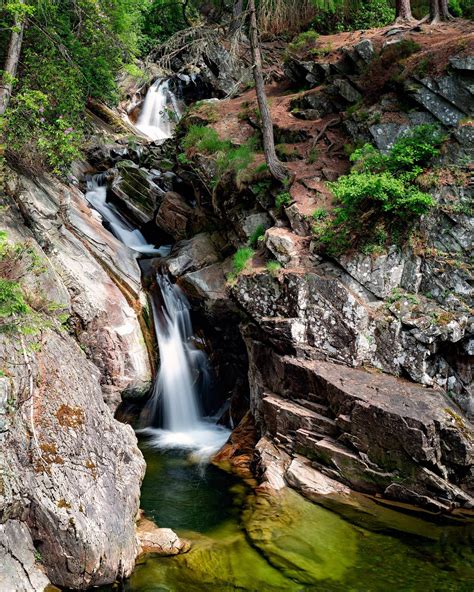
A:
(11, 62)
(276, 168)
(444, 10)
(236, 14)
(439, 11)
(404, 11)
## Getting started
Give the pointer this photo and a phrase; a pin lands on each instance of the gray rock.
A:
(69, 470)
(463, 63)
(386, 134)
(365, 49)
(346, 90)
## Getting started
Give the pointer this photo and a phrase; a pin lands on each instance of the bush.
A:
(303, 43)
(319, 214)
(282, 199)
(371, 14)
(241, 258)
(381, 186)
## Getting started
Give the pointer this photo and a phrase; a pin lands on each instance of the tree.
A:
(13, 55)
(439, 11)
(276, 168)
(403, 8)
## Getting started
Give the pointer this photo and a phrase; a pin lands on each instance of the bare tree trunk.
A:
(435, 16)
(276, 168)
(404, 11)
(11, 62)
(236, 14)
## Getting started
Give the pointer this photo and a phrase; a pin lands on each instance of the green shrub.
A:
(381, 186)
(282, 199)
(257, 236)
(303, 42)
(12, 300)
(204, 139)
(372, 14)
(319, 214)
(241, 258)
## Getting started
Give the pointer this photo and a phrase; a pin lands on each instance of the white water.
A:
(96, 195)
(161, 110)
(182, 365)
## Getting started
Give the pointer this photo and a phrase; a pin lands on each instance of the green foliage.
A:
(380, 186)
(282, 199)
(229, 158)
(71, 51)
(319, 214)
(303, 42)
(241, 259)
(373, 13)
(257, 236)
(12, 301)
(273, 267)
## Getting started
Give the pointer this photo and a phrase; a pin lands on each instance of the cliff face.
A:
(402, 309)
(70, 474)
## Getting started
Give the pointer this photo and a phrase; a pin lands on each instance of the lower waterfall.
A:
(183, 374)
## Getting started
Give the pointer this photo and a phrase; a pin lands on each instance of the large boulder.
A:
(71, 474)
(372, 431)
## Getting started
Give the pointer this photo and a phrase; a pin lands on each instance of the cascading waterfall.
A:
(96, 195)
(183, 374)
(161, 110)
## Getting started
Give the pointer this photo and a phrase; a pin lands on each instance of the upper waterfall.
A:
(161, 110)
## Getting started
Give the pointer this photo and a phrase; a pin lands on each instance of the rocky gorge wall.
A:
(70, 474)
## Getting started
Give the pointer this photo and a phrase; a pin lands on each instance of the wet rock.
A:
(174, 216)
(135, 192)
(159, 541)
(238, 452)
(71, 240)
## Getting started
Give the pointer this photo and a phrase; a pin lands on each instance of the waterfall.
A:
(161, 110)
(96, 195)
(182, 376)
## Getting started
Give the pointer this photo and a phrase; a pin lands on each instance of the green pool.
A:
(257, 543)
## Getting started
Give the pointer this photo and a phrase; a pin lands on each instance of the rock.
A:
(365, 429)
(312, 105)
(365, 49)
(282, 245)
(386, 134)
(462, 63)
(174, 216)
(238, 452)
(73, 473)
(251, 222)
(193, 254)
(344, 89)
(159, 541)
(438, 106)
(20, 571)
(78, 250)
(273, 465)
(135, 192)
